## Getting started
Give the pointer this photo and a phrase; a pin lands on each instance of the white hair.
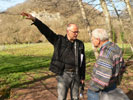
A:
(101, 34)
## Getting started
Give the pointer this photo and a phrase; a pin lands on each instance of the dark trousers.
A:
(66, 81)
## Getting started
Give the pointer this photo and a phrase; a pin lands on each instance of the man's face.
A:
(73, 32)
(95, 41)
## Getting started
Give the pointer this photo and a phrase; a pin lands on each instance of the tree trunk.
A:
(107, 18)
(131, 18)
(121, 24)
(84, 17)
(88, 27)
(129, 10)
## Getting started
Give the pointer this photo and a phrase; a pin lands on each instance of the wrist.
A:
(33, 19)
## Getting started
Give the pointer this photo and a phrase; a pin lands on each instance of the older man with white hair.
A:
(108, 66)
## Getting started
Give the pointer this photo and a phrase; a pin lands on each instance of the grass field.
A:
(24, 63)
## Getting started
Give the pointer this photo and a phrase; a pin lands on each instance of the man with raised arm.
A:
(68, 60)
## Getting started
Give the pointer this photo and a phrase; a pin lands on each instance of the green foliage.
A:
(114, 37)
(89, 53)
(122, 36)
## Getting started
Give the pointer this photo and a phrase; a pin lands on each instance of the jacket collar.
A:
(104, 45)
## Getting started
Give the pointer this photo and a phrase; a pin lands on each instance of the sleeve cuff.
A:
(93, 86)
(34, 21)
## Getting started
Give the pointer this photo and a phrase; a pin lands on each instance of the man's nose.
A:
(76, 33)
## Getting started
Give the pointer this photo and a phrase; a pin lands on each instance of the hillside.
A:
(55, 13)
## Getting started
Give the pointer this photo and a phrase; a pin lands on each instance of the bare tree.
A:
(121, 23)
(129, 10)
(131, 18)
(121, 26)
(88, 27)
(107, 17)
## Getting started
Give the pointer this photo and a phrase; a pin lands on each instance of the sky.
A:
(119, 5)
(5, 4)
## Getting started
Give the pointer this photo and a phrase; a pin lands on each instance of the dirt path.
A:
(42, 90)
(46, 88)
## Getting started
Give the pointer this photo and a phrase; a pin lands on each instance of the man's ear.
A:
(67, 31)
(98, 40)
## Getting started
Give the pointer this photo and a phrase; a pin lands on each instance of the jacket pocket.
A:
(57, 67)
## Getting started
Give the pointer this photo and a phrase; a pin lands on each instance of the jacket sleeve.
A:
(83, 64)
(102, 73)
(46, 31)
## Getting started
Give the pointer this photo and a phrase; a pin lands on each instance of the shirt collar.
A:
(69, 40)
(104, 44)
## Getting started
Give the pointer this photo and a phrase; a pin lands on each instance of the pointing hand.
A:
(28, 16)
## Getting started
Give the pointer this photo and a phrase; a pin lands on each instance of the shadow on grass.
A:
(7, 91)
(15, 64)
(11, 66)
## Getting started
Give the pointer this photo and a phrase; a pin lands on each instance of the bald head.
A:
(71, 26)
(72, 32)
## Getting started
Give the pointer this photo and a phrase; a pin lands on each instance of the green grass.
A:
(20, 64)
(26, 63)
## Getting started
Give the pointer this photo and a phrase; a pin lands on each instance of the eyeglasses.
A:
(74, 31)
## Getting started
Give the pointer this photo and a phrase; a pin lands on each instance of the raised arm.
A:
(44, 29)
